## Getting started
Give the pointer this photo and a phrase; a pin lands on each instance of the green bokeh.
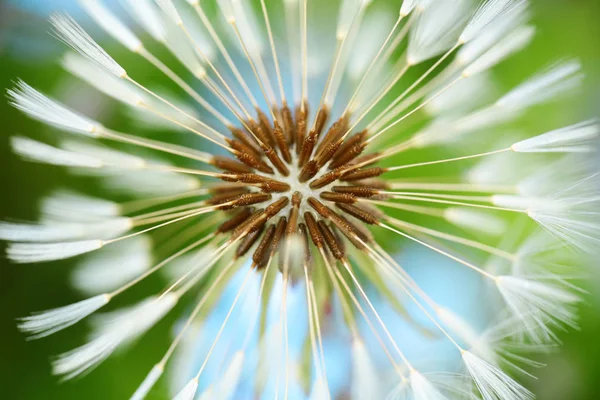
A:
(566, 28)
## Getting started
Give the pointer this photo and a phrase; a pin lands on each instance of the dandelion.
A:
(309, 159)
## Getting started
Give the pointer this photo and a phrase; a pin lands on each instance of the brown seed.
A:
(358, 191)
(334, 134)
(265, 125)
(292, 226)
(319, 207)
(252, 224)
(257, 132)
(327, 153)
(357, 212)
(288, 124)
(273, 186)
(277, 162)
(346, 198)
(301, 125)
(327, 178)
(282, 143)
(307, 255)
(245, 139)
(296, 199)
(228, 164)
(348, 155)
(279, 234)
(250, 160)
(235, 221)
(261, 253)
(354, 139)
(309, 171)
(248, 242)
(331, 241)
(321, 120)
(363, 174)
(276, 207)
(308, 145)
(313, 230)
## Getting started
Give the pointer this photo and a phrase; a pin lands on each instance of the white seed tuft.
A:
(111, 24)
(46, 323)
(423, 389)
(476, 220)
(148, 382)
(71, 206)
(407, 7)
(40, 252)
(436, 30)
(32, 150)
(42, 108)
(578, 138)
(77, 38)
(101, 80)
(169, 9)
(230, 379)
(189, 391)
(492, 382)
(60, 231)
(510, 44)
(539, 305)
(365, 382)
(558, 80)
(113, 266)
(123, 329)
(319, 390)
(147, 15)
(486, 14)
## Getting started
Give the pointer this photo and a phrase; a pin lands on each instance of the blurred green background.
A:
(566, 28)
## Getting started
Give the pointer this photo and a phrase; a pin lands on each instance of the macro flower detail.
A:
(277, 208)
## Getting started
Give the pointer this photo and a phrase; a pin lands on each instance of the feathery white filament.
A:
(147, 15)
(407, 7)
(61, 231)
(125, 328)
(42, 108)
(147, 384)
(45, 323)
(476, 220)
(437, 30)
(422, 389)
(109, 157)
(365, 382)
(492, 382)
(510, 44)
(560, 79)
(169, 9)
(32, 150)
(101, 80)
(143, 183)
(71, 206)
(111, 24)
(538, 304)
(230, 379)
(578, 138)
(77, 38)
(40, 252)
(462, 97)
(319, 390)
(487, 13)
(189, 391)
(113, 266)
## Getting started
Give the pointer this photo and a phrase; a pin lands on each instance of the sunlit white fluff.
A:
(149, 183)
(476, 220)
(45, 323)
(422, 389)
(462, 97)
(230, 379)
(578, 138)
(365, 382)
(101, 80)
(110, 157)
(510, 44)
(560, 79)
(40, 252)
(319, 390)
(124, 329)
(111, 24)
(113, 266)
(407, 7)
(495, 31)
(148, 16)
(77, 38)
(169, 9)
(42, 108)
(189, 391)
(148, 382)
(492, 382)
(61, 231)
(486, 14)
(540, 305)
(32, 150)
(66, 205)
(437, 30)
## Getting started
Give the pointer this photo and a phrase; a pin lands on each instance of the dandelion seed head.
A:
(271, 223)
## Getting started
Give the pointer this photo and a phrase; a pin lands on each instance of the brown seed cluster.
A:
(274, 161)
